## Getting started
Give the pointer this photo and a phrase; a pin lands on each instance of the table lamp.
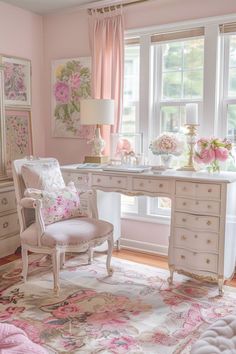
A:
(97, 112)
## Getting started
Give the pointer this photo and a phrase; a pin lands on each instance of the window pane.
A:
(131, 89)
(172, 118)
(172, 85)
(193, 84)
(232, 53)
(172, 56)
(232, 82)
(194, 54)
(182, 69)
(129, 204)
(231, 115)
(159, 206)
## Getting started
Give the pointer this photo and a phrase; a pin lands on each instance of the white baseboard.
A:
(144, 247)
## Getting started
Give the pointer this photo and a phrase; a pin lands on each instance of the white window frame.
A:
(224, 82)
(210, 124)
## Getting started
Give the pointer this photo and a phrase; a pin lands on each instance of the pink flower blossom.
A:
(75, 81)
(221, 154)
(66, 311)
(62, 92)
(207, 155)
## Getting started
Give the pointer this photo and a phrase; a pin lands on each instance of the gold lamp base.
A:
(96, 159)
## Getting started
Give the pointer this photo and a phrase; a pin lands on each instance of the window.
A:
(229, 83)
(166, 70)
(130, 118)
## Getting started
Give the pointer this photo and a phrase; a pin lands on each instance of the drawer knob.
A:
(208, 222)
(183, 219)
(196, 203)
(4, 201)
(194, 253)
(119, 181)
(5, 224)
(208, 241)
(196, 236)
(183, 237)
(160, 185)
(184, 203)
(184, 188)
(141, 184)
(98, 180)
(208, 261)
(182, 256)
(209, 206)
(196, 185)
(209, 190)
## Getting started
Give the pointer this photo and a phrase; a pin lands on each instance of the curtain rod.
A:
(113, 7)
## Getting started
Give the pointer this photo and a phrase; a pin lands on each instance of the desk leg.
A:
(170, 279)
(118, 244)
(220, 285)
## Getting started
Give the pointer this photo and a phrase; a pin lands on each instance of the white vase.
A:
(166, 160)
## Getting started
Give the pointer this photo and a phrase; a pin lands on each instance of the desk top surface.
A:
(223, 176)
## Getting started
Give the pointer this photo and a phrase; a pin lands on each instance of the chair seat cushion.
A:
(220, 337)
(69, 232)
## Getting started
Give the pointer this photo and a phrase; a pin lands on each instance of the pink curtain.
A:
(107, 46)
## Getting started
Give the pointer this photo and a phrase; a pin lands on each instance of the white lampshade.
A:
(97, 111)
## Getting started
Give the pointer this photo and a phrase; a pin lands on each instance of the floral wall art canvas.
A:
(18, 136)
(71, 82)
(17, 81)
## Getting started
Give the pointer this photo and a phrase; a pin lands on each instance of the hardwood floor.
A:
(134, 256)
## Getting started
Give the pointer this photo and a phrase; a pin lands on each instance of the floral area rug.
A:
(134, 311)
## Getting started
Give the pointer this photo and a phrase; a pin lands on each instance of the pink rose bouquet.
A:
(167, 143)
(212, 151)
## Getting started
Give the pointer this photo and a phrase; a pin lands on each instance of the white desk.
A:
(203, 215)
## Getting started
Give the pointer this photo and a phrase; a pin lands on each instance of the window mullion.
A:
(224, 80)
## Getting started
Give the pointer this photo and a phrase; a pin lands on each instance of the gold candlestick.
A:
(191, 140)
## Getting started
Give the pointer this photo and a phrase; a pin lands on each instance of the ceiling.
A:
(43, 7)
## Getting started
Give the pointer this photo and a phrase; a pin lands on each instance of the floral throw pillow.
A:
(57, 205)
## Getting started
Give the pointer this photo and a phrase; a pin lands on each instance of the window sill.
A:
(160, 219)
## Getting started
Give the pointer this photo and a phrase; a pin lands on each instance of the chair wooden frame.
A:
(26, 204)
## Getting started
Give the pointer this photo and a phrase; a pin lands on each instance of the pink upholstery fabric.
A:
(68, 232)
(42, 175)
(59, 204)
(14, 340)
(107, 46)
(219, 338)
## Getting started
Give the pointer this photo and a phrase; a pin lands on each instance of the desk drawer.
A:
(151, 185)
(117, 182)
(80, 179)
(201, 241)
(195, 222)
(7, 201)
(196, 261)
(198, 206)
(9, 224)
(198, 190)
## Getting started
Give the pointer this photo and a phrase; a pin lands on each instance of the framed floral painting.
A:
(71, 82)
(18, 136)
(17, 81)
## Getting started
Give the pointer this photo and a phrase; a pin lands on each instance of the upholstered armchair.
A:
(51, 219)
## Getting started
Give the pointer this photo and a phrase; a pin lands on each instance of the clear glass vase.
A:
(214, 167)
(166, 160)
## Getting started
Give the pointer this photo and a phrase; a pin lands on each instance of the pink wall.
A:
(66, 36)
(21, 34)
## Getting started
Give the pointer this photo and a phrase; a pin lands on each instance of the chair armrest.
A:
(36, 204)
(27, 203)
